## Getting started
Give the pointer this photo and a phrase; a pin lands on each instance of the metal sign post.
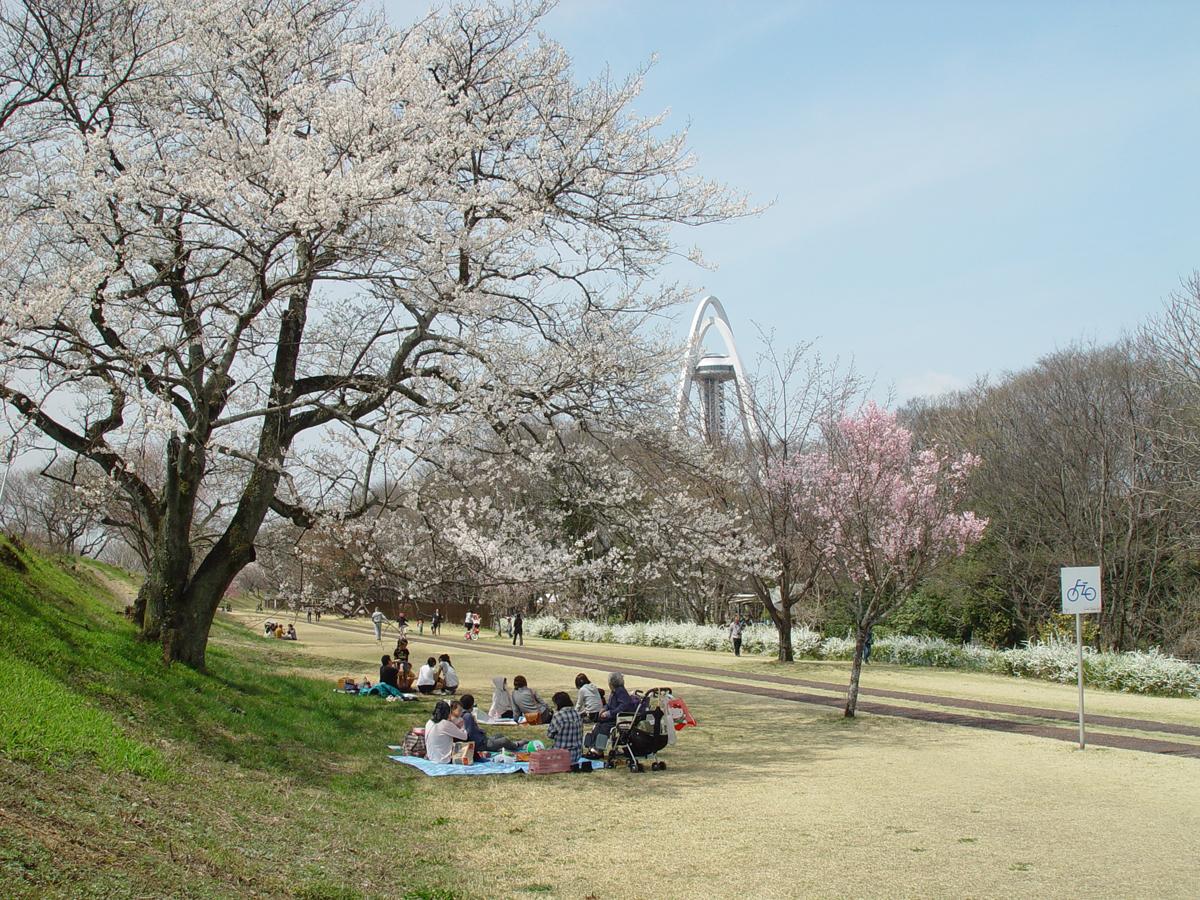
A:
(1080, 595)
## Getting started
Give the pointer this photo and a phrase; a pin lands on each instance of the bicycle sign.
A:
(1080, 589)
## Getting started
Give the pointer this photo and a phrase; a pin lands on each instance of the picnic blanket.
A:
(480, 768)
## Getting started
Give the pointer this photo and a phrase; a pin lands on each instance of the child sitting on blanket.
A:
(483, 741)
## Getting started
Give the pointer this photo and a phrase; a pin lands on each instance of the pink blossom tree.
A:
(886, 514)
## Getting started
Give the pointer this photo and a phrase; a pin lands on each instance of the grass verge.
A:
(122, 777)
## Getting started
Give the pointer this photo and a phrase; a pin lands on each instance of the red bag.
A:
(683, 717)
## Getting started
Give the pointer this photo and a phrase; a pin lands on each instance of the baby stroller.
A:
(641, 734)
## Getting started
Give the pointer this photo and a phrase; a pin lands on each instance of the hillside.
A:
(120, 777)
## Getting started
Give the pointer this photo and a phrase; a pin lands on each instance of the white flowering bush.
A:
(1143, 673)
(1050, 660)
(583, 630)
(1053, 660)
(906, 650)
(836, 648)
(545, 627)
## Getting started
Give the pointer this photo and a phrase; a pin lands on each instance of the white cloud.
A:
(927, 384)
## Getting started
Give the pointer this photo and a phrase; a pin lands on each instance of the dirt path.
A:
(122, 590)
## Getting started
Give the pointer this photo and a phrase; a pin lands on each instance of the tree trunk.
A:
(860, 644)
(171, 564)
(186, 637)
(783, 626)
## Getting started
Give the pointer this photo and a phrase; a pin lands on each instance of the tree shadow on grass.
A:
(769, 739)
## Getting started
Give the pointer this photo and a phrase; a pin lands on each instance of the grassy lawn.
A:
(119, 778)
(780, 799)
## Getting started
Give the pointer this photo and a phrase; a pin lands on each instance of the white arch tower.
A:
(709, 372)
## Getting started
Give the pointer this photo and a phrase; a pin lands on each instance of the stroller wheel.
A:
(636, 767)
(657, 766)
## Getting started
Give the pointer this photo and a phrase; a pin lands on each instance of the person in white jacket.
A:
(449, 677)
(427, 677)
(442, 731)
(589, 703)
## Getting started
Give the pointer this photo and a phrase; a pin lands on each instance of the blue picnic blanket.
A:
(480, 768)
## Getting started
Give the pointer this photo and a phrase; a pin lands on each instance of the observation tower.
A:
(710, 371)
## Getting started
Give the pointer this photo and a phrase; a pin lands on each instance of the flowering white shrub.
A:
(583, 630)
(545, 627)
(1052, 660)
(906, 650)
(837, 648)
(1143, 673)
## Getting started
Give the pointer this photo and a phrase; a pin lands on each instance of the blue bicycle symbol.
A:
(1081, 589)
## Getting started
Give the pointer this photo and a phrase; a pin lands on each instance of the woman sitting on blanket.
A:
(446, 674)
(566, 728)
(427, 678)
(590, 702)
(619, 701)
(527, 703)
(502, 705)
(442, 731)
(483, 741)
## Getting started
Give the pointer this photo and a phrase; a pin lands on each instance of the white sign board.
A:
(1080, 589)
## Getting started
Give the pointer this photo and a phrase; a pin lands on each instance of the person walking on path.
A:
(435, 626)
(378, 618)
(735, 635)
(519, 630)
(402, 622)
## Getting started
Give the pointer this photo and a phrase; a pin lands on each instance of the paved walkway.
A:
(689, 674)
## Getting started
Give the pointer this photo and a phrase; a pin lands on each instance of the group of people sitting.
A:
(457, 720)
(437, 676)
(276, 630)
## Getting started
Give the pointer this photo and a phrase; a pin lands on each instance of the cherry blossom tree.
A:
(596, 519)
(796, 395)
(887, 514)
(283, 235)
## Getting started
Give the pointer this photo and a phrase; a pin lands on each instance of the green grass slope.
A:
(122, 777)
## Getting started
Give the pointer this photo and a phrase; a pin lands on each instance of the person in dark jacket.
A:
(519, 630)
(483, 741)
(619, 701)
(388, 672)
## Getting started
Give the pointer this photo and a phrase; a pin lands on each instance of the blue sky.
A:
(957, 188)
